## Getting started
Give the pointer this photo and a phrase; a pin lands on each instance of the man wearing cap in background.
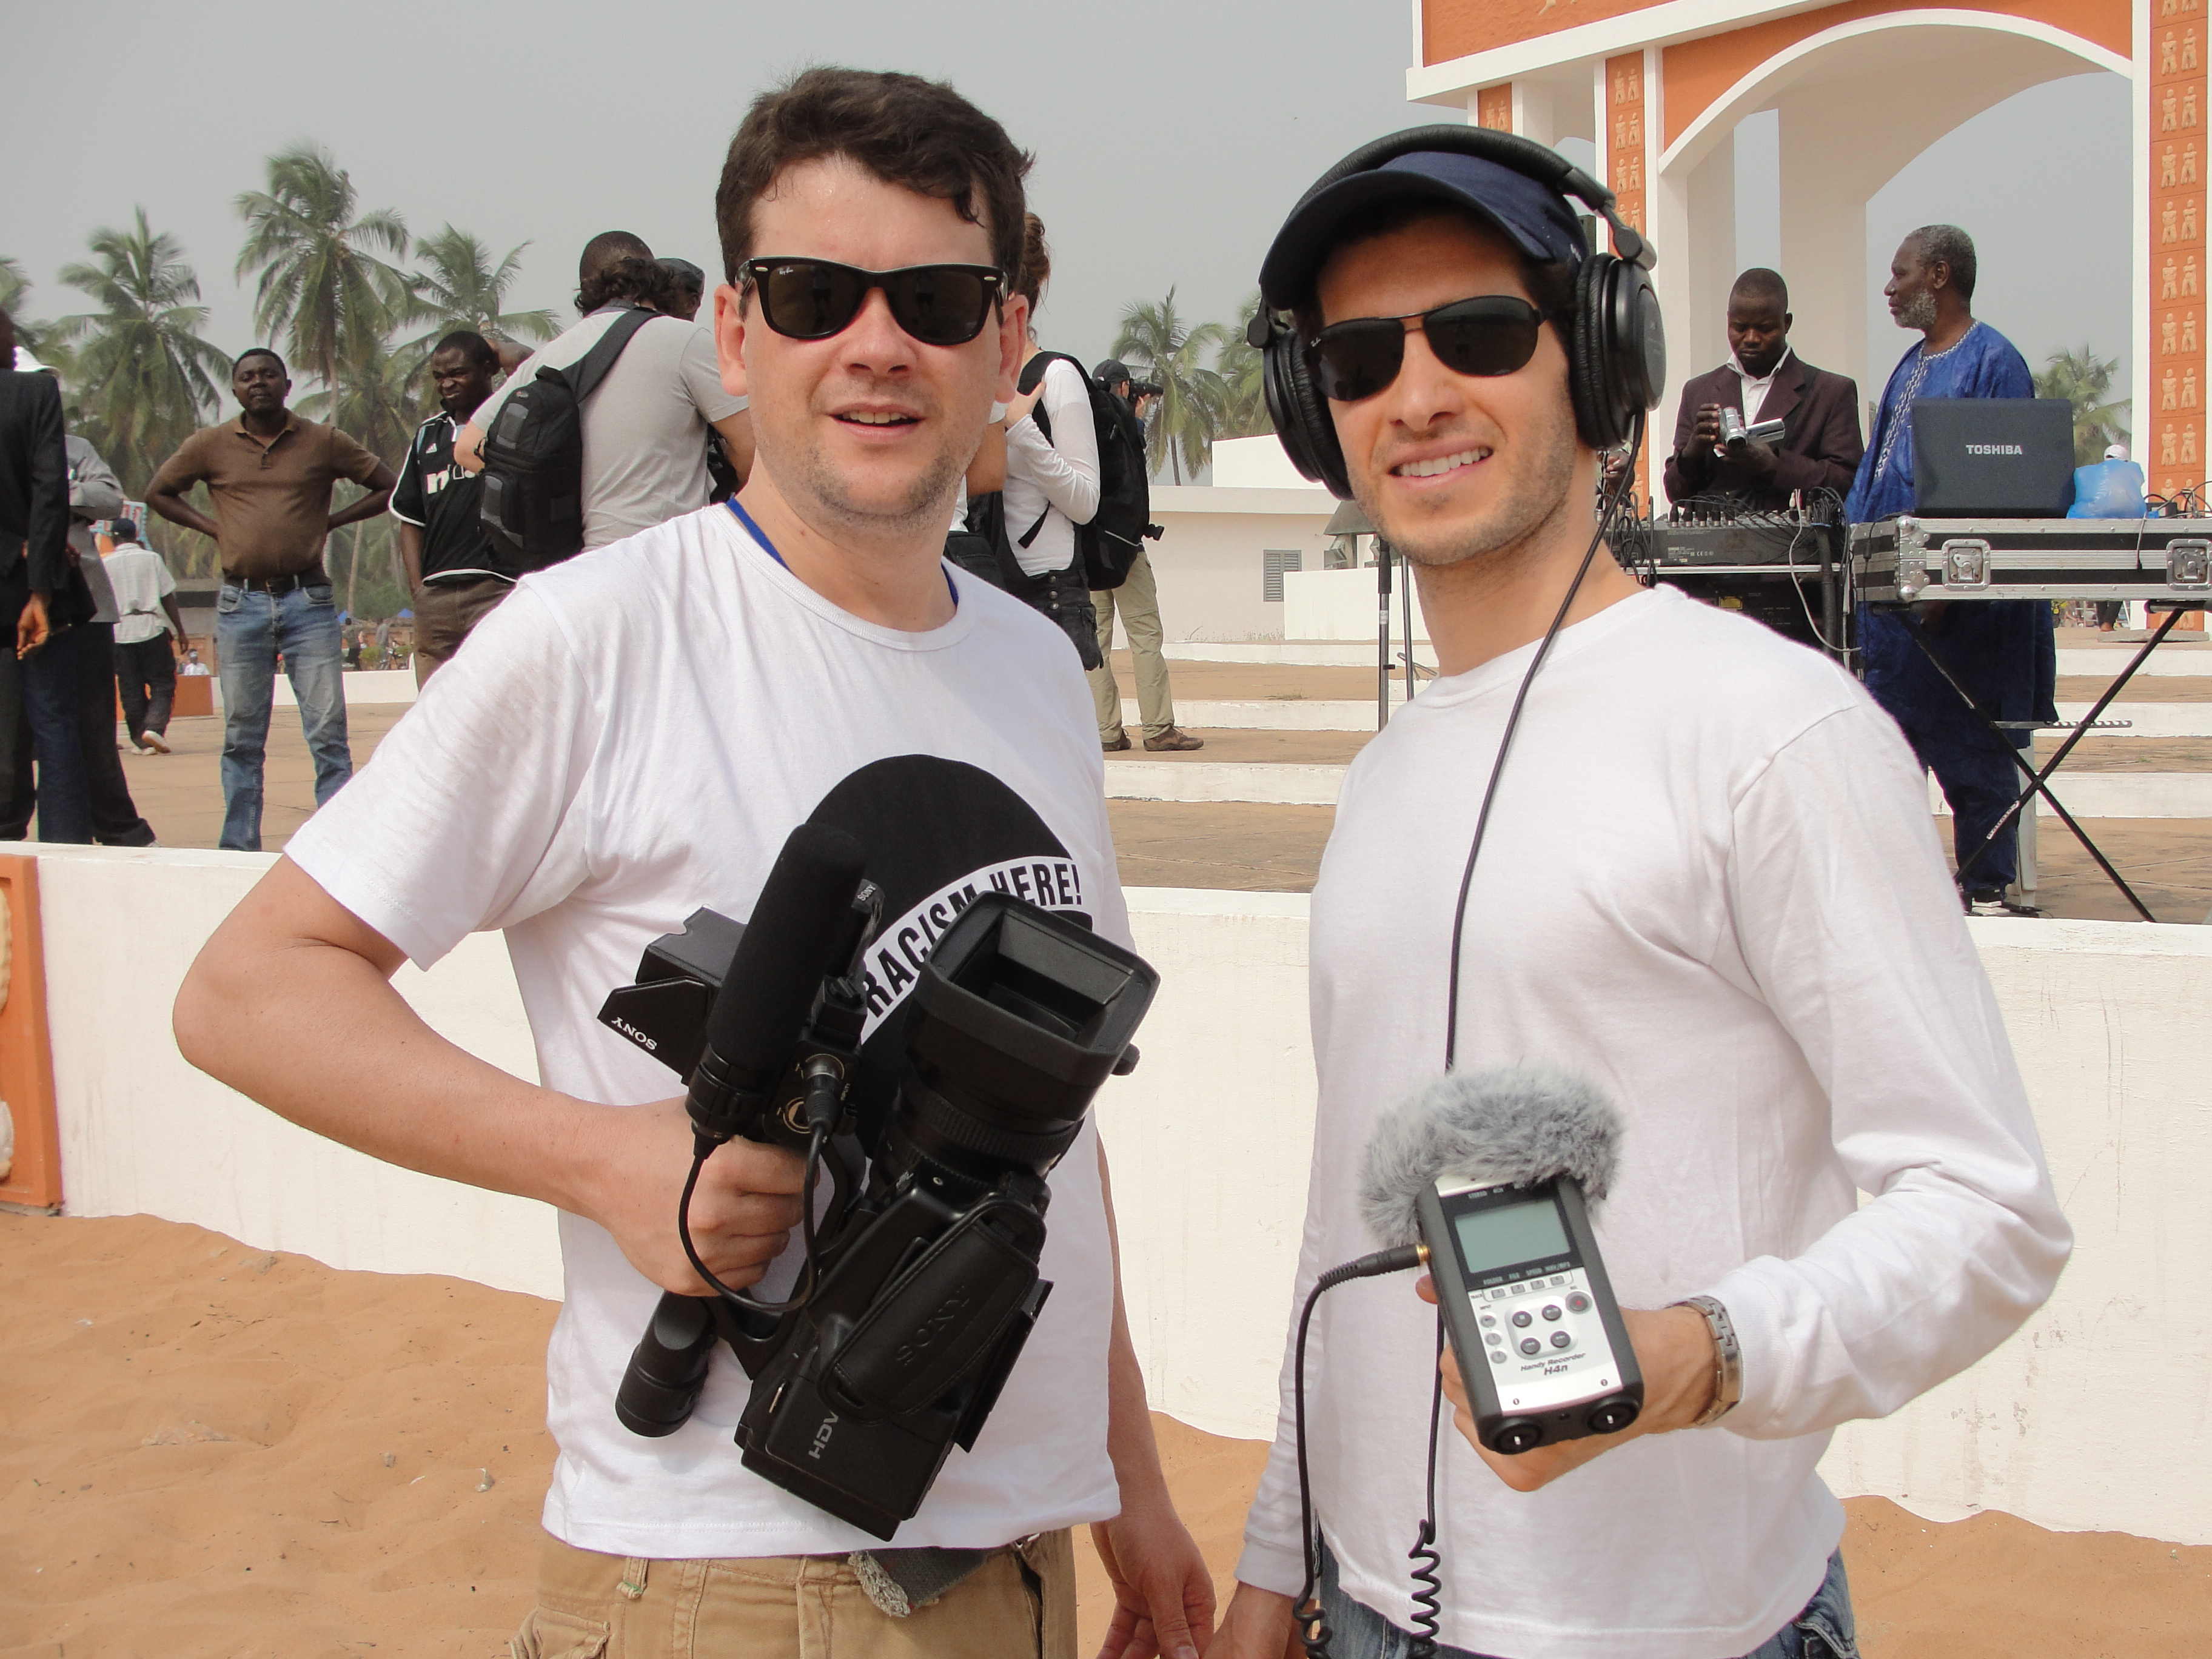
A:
(1138, 600)
(1704, 841)
(149, 632)
(689, 284)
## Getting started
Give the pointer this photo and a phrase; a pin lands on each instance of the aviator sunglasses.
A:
(814, 299)
(1491, 335)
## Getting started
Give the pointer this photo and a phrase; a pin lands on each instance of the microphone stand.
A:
(1382, 634)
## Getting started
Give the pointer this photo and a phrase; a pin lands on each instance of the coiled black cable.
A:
(1428, 1581)
(808, 1276)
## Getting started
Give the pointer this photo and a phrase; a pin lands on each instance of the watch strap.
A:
(1727, 1359)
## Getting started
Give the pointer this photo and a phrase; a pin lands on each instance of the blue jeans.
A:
(1823, 1629)
(252, 627)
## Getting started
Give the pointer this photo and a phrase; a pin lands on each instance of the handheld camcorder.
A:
(1735, 435)
(921, 1282)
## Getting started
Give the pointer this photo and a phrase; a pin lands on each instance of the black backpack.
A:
(533, 471)
(1110, 544)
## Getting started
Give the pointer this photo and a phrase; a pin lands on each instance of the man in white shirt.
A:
(695, 691)
(646, 424)
(148, 628)
(1709, 884)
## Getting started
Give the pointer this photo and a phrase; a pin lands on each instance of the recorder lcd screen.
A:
(1503, 1234)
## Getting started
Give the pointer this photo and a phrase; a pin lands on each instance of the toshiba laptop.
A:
(1992, 457)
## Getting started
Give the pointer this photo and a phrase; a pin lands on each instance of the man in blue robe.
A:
(2002, 651)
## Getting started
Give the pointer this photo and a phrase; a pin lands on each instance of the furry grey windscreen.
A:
(1513, 1123)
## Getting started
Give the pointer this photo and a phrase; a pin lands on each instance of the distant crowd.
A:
(619, 423)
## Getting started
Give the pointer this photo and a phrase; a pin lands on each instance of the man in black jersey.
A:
(453, 570)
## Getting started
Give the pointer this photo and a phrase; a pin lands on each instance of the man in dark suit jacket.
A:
(34, 518)
(1820, 446)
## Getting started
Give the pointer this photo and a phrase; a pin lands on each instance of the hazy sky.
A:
(1169, 138)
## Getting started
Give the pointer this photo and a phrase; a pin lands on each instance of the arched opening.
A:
(1854, 106)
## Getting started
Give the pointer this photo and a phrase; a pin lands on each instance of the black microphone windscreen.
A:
(1510, 1124)
(798, 929)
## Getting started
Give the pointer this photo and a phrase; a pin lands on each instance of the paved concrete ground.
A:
(180, 794)
(1236, 845)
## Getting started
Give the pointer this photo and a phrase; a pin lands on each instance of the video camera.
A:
(920, 1281)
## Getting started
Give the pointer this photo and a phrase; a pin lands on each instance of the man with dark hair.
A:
(602, 251)
(646, 424)
(1138, 600)
(687, 287)
(453, 571)
(34, 523)
(1704, 842)
(150, 630)
(692, 693)
(2004, 652)
(270, 475)
(1765, 380)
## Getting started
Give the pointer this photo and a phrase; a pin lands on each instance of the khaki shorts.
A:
(1019, 1602)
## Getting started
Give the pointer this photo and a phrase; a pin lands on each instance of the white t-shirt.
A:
(1057, 477)
(139, 576)
(691, 701)
(1710, 885)
(645, 426)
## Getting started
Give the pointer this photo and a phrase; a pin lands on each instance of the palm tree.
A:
(1243, 385)
(2084, 380)
(459, 288)
(320, 285)
(1184, 420)
(145, 376)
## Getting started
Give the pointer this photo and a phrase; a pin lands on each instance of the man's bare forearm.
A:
(177, 510)
(286, 1008)
(411, 554)
(1130, 1440)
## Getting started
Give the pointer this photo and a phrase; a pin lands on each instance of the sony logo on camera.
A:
(1995, 449)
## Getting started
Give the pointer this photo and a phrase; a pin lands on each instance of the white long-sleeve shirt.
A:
(1057, 477)
(1710, 885)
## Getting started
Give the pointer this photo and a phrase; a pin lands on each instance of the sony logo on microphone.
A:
(1995, 449)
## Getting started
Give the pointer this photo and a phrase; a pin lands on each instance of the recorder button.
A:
(1489, 1319)
(1530, 1344)
(1521, 1316)
(1551, 1311)
(1577, 1303)
(1497, 1356)
(1561, 1339)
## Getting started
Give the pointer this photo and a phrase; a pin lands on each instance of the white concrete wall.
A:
(1210, 564)
(1340, 604)
(142, 1132)
(2094, 1416)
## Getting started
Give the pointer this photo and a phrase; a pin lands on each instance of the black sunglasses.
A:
(1491, 334)
(814, 299)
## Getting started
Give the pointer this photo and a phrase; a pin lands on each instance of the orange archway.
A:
(1860, 89)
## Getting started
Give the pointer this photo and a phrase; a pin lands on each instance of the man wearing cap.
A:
(1702, 842)
(1138, 600)
(269, 474)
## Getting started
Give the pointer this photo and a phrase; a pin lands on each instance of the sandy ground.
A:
(209, 1452)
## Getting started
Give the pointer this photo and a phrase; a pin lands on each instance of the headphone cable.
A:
(1613, 499)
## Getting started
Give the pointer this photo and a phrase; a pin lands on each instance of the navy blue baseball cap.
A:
(1532, 216)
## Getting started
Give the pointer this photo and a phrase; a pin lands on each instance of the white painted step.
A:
(2146, 719)
(1223, 780)
(2118, 795)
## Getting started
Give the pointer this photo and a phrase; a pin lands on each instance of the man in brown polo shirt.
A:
(269, 474)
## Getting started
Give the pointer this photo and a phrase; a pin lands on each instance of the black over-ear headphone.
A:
(1616, 348)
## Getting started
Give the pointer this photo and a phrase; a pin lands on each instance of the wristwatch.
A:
(1727, 1359)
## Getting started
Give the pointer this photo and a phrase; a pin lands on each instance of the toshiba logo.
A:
(1995, 449)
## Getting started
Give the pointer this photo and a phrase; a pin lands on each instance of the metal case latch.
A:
(2188, 562)
(1966, 563)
